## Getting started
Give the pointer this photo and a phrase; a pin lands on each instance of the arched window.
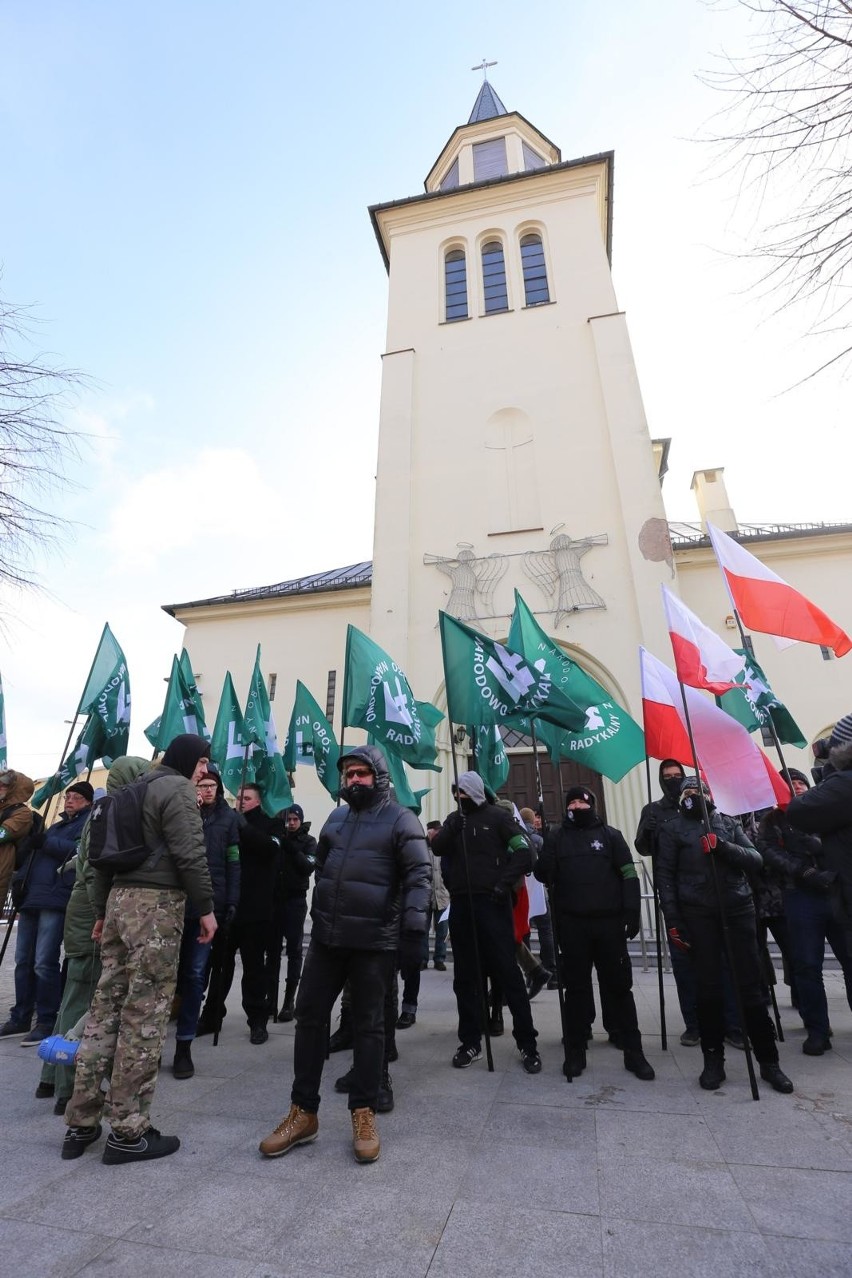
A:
(455, 285)
(494, 277)
(535, 271)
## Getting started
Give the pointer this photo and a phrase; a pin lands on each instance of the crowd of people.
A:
(152, 889)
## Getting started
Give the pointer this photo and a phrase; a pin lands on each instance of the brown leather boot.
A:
(298, 1128)
(365, 1138)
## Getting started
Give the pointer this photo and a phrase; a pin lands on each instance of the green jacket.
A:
(169, 817)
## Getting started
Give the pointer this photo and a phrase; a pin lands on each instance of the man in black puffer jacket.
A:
(687, 885)
(597, 901)
(370, 899)
(483, 853)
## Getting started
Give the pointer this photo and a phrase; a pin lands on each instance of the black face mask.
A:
(690, 806)
(580, 817)
(671, 786)
(357, 796)
(467, 805)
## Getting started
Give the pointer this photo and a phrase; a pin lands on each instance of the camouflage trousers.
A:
(80, 981)
(130, 1010)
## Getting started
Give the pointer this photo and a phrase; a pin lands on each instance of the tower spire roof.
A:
(487, 105)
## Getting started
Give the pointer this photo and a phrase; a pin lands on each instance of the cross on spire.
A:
(483, 67)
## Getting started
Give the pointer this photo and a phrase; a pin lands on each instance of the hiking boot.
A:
(138, 1149)
(384, 1096)
(182, 1066)
(713, 1074)
(530, 1059)
(466, 1056)
(287, 1007)
(77, 1139)
(690, 1038)
(12, 1029)
(440, 965)
(36, 1034)
(405, 1020)
(495, 1025)
(575, 1062)
(537, 981)
(776, 1078)
(636, 1062)
(365, 1138)
(344, 1083)
(299, 1128)
(814, 1045)
(44, 1090)
(61, 1104)
(343, 1037)
(258, 1034)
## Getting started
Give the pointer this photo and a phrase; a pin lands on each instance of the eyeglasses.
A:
(206, 785)
(358, 772)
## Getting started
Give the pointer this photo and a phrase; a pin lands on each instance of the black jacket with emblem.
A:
(373, 875)
(684, 873)
(494, 864)
(589, 871)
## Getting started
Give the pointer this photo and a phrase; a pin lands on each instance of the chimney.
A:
(711, 497)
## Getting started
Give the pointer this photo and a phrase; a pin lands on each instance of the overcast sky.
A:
(185, 206)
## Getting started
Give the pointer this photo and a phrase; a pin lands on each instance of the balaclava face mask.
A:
(690, 803)
(579, 818)
(671, 786)
(357, 795)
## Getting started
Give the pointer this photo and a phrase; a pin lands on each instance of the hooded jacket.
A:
(656, 815)
(373, 876)
(589, 870)
(298, 858)
(48, 881)
(499, 851)
(260, 858)
(826, 810)
(221, 839)
(16, 818)
(684, 873)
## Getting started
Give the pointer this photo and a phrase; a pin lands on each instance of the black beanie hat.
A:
(580, 792)
(183, 753)
(796, 775)
(84, 789)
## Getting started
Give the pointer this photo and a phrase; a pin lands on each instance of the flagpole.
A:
(554, 927)
(658, 918)
(723, 916)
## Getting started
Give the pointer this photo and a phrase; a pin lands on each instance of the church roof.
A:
(349, 578)
(693, 535)
(487, 105)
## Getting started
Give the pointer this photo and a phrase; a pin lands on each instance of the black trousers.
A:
(253, 941)
(704, 933)
(600, 943)
(496, 937)
(327, 969)
(288, 928)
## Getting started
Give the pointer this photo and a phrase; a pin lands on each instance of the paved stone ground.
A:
(481, 1174)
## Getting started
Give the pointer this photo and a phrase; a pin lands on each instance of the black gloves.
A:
(632, 924)
(410, 950)
(818, 880)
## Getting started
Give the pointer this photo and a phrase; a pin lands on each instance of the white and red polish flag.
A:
(738, 772)
(702, 659)
(768, 604)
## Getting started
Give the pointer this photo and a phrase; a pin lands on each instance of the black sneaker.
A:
(37, 1033)
(77, 1138)
(776, 1078)
(466, 1056)
(259, 1034)
(814, 1045)
(537, 982)
(344, 1083)
(13, 1029)
(575, 1062)
(530, 1059)
(636, 1062)
(384, 1096)
(734, 1038)
(440, 965)
(406, 1020)
(44, 1090)
(149, 1145)
(61, 1104)
(690, 1038)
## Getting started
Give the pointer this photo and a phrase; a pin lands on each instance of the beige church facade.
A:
(513, 454)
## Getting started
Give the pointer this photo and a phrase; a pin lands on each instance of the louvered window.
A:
(535, 271)
(494, 277)
(532, 159)
(455, 285)
(489, 159)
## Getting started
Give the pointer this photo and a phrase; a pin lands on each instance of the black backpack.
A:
(116, 835)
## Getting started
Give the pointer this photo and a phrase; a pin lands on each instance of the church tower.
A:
(513, 446)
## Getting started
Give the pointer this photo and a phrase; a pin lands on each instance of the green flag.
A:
(266, 766)
(107, 658)
(488, 683)
(2, 728)
(492, 762)
(610, 741)
(756, 703)
(378, 698)
(230, 738)
(311, 740)
(405, 796)
(182, 709)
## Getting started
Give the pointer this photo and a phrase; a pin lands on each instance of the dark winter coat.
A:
(654, 817)
(589, 871)
(826, 810)
(499, 851)
(48, 879)
(373, 876)
(790, 853)
(221, 839)
(298, 859)
(684, 873)
(260, 858)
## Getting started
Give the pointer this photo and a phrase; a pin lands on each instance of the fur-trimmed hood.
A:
(841, 756)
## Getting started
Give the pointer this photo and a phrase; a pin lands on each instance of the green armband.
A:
(232, 853)
(517, 843)
(628, 871)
